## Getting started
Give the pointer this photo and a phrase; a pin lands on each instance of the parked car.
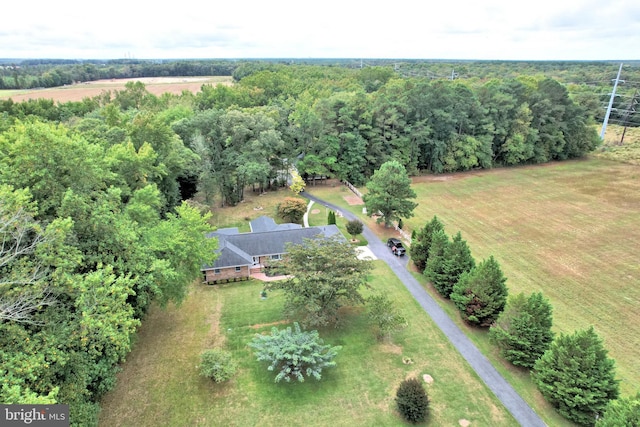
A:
(396, 246)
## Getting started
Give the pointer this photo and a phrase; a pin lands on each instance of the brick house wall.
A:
(226, 274)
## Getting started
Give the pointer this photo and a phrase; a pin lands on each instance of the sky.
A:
(462, 29)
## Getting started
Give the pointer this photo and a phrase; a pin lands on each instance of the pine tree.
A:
(481, 294)
(523, 331)
(434, 270)
(421, 242)
(576, 376)
(412, 401)
(457, 260)
(621, 412)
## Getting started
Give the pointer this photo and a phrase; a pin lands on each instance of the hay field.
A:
(570, 230)
(155, 85)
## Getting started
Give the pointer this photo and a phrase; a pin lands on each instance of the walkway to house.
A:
(520, 409)
(263, 277)
(305, 217)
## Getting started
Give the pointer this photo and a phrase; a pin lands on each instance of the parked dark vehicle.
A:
(396, 247)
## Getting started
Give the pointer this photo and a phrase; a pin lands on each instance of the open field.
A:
(628, 152)
(159, 384)
(570, 230)
(77, 92)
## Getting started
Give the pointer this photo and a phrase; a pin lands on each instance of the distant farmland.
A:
(155, 85)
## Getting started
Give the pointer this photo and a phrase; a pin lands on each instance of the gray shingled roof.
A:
(265, 223)
(239, 249)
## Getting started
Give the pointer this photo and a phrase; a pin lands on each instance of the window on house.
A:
(216, 271)
(276, 257)
(238, 269)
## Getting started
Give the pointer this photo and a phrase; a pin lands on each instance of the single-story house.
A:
(240, 254)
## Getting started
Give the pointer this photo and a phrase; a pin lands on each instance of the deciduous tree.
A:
(292, 209)
(390, 193)
(326, 275)
(294, 354)
(384, 315)
(354, 227)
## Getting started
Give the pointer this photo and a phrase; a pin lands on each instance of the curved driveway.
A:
(520, 409)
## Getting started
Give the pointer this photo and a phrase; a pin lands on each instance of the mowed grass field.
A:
(570, 230)
(159, 384)
(77, 92)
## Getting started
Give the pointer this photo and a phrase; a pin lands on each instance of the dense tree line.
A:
(29, 74)
(92, 231)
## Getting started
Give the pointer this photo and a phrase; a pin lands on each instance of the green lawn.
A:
(570, 230)
(159, 384)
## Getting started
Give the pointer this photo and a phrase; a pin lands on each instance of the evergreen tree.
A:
(434, 269)
(523, 330)
(481, 294)
(576, 376)
(457, 260)
(331, 218)
(412, 401)
(622, 412)
(421, 242)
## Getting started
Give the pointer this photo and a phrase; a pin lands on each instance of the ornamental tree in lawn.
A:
(384, 316)
(294, 353)
(354, 227)
(325, 275)
(421, 243)
(217, 364)
(576, 376)
(292, 209)
(389, 192)
(412, 401)
(481, 294)
(523, 330)
(297, 183)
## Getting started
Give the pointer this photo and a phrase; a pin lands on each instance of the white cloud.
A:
(466, 29)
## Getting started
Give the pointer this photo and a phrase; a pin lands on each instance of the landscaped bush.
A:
(217, 365)
(412, 401)
(294, 353)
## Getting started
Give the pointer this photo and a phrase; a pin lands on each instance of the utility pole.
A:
(613, 94)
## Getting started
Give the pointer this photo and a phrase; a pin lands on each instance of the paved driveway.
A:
(520, 409)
